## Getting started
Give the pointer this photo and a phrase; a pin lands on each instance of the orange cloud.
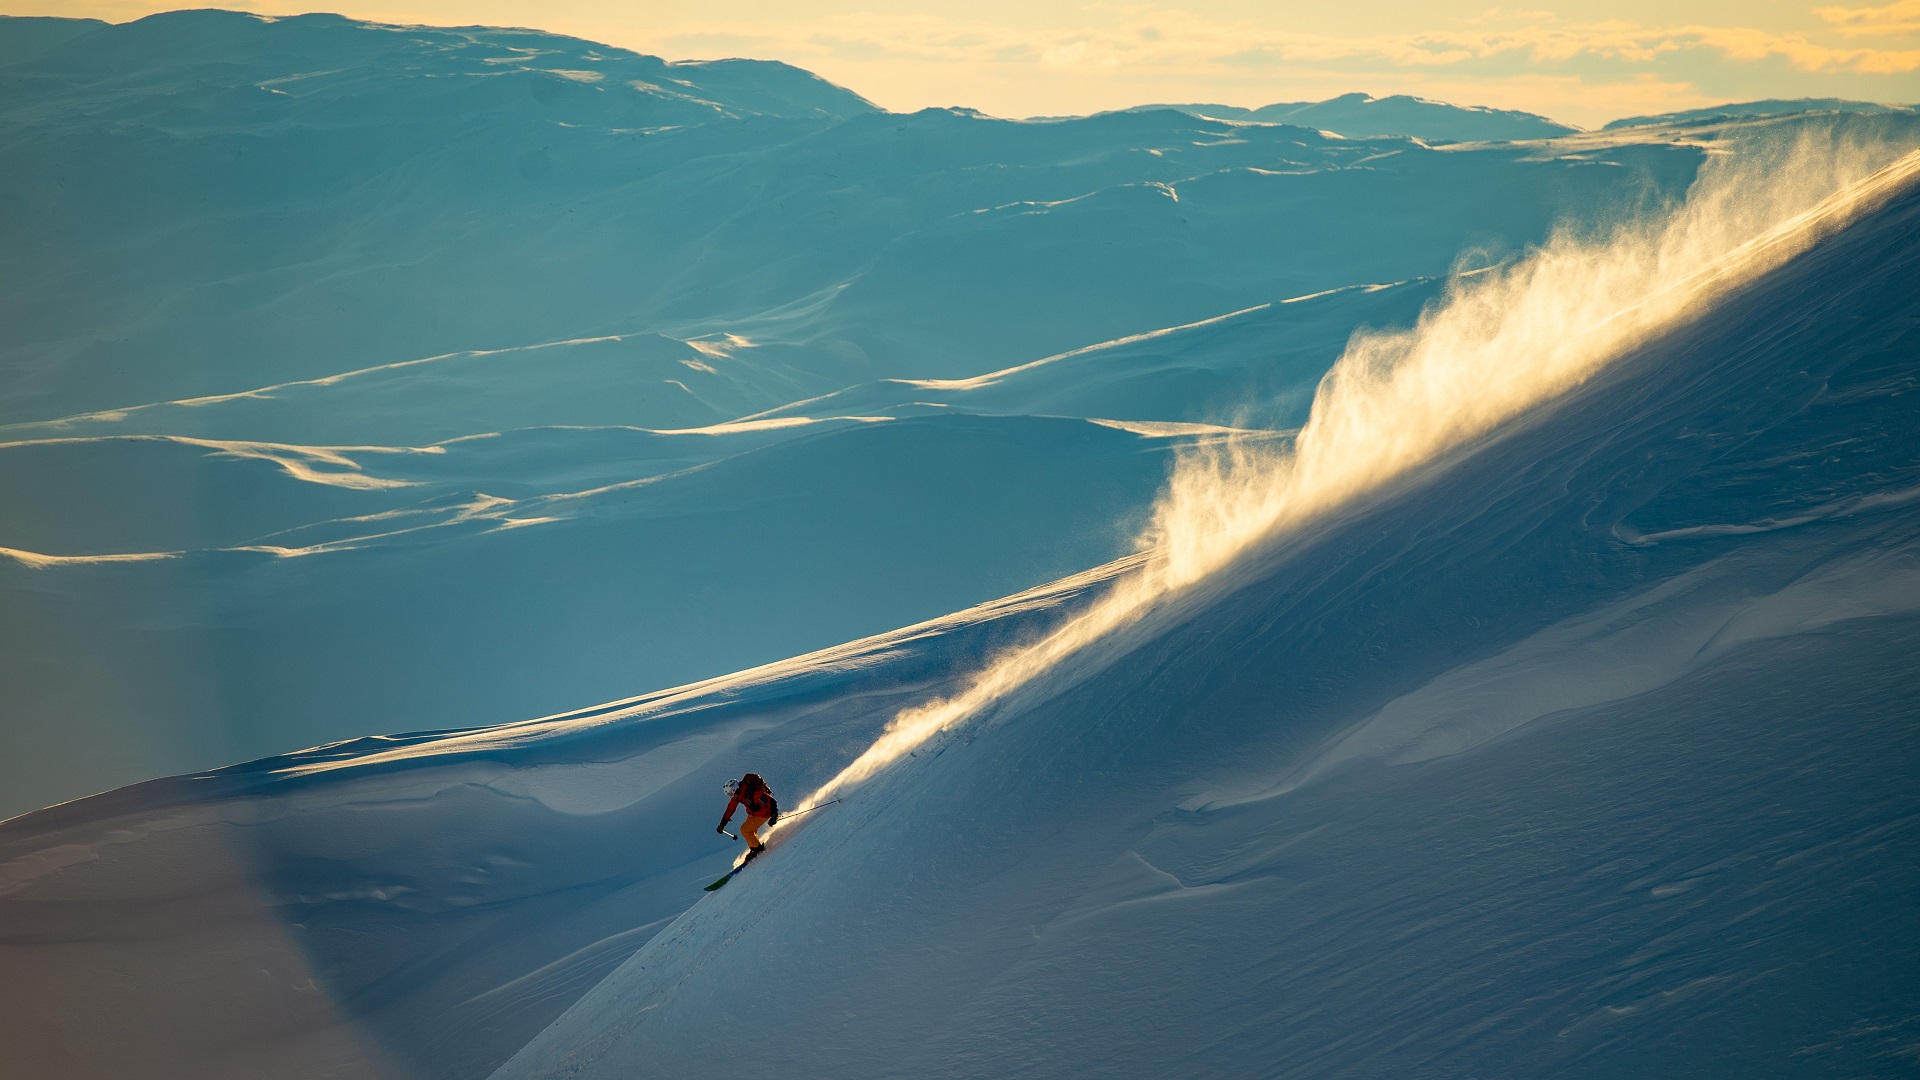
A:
(1902, 17)
(1743, 43)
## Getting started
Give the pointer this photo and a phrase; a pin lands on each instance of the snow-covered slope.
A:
(204, 203)
(1770, 107)
(1363, 116)
(415, 597)
(1257, 367)
(24, 37)
(1590, 754)
(1583, 749)
(419, 905)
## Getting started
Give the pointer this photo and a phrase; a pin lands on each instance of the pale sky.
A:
(1579, 61)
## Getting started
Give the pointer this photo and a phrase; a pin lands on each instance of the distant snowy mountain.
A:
(484, 201)
(257, 178)
(1771, 107)
(24, 37)
(225, 71)
(1584, 748)
(1362, 116)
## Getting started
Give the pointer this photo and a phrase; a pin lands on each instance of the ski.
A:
(728, 876)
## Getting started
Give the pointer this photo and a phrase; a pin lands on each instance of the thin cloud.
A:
(1897, 18)
(1746, 44)
(1178, 41)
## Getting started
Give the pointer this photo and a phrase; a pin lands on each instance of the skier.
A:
(751, 794)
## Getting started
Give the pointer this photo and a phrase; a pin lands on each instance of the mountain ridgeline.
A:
(1365, 116)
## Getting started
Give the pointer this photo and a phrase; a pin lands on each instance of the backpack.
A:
(753, 789)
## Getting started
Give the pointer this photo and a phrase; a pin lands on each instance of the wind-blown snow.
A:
(1498, 345)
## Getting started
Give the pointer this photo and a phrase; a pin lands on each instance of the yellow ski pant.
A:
(750, 830)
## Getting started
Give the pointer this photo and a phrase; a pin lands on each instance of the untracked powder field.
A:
(1434, 595)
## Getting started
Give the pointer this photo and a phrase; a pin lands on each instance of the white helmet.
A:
(732, 788)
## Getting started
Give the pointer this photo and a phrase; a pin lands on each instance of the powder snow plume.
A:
(1495, 345)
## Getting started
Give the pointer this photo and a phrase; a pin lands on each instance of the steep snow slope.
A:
(1590, 754)
(1586, 752)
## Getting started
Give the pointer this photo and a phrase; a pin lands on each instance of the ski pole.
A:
(808, 810)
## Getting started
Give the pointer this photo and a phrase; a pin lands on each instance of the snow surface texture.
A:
(1585, 750)
(363, 379)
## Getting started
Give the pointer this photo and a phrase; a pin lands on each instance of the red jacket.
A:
(754, 796)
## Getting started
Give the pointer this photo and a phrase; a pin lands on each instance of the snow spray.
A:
(1494, 345)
